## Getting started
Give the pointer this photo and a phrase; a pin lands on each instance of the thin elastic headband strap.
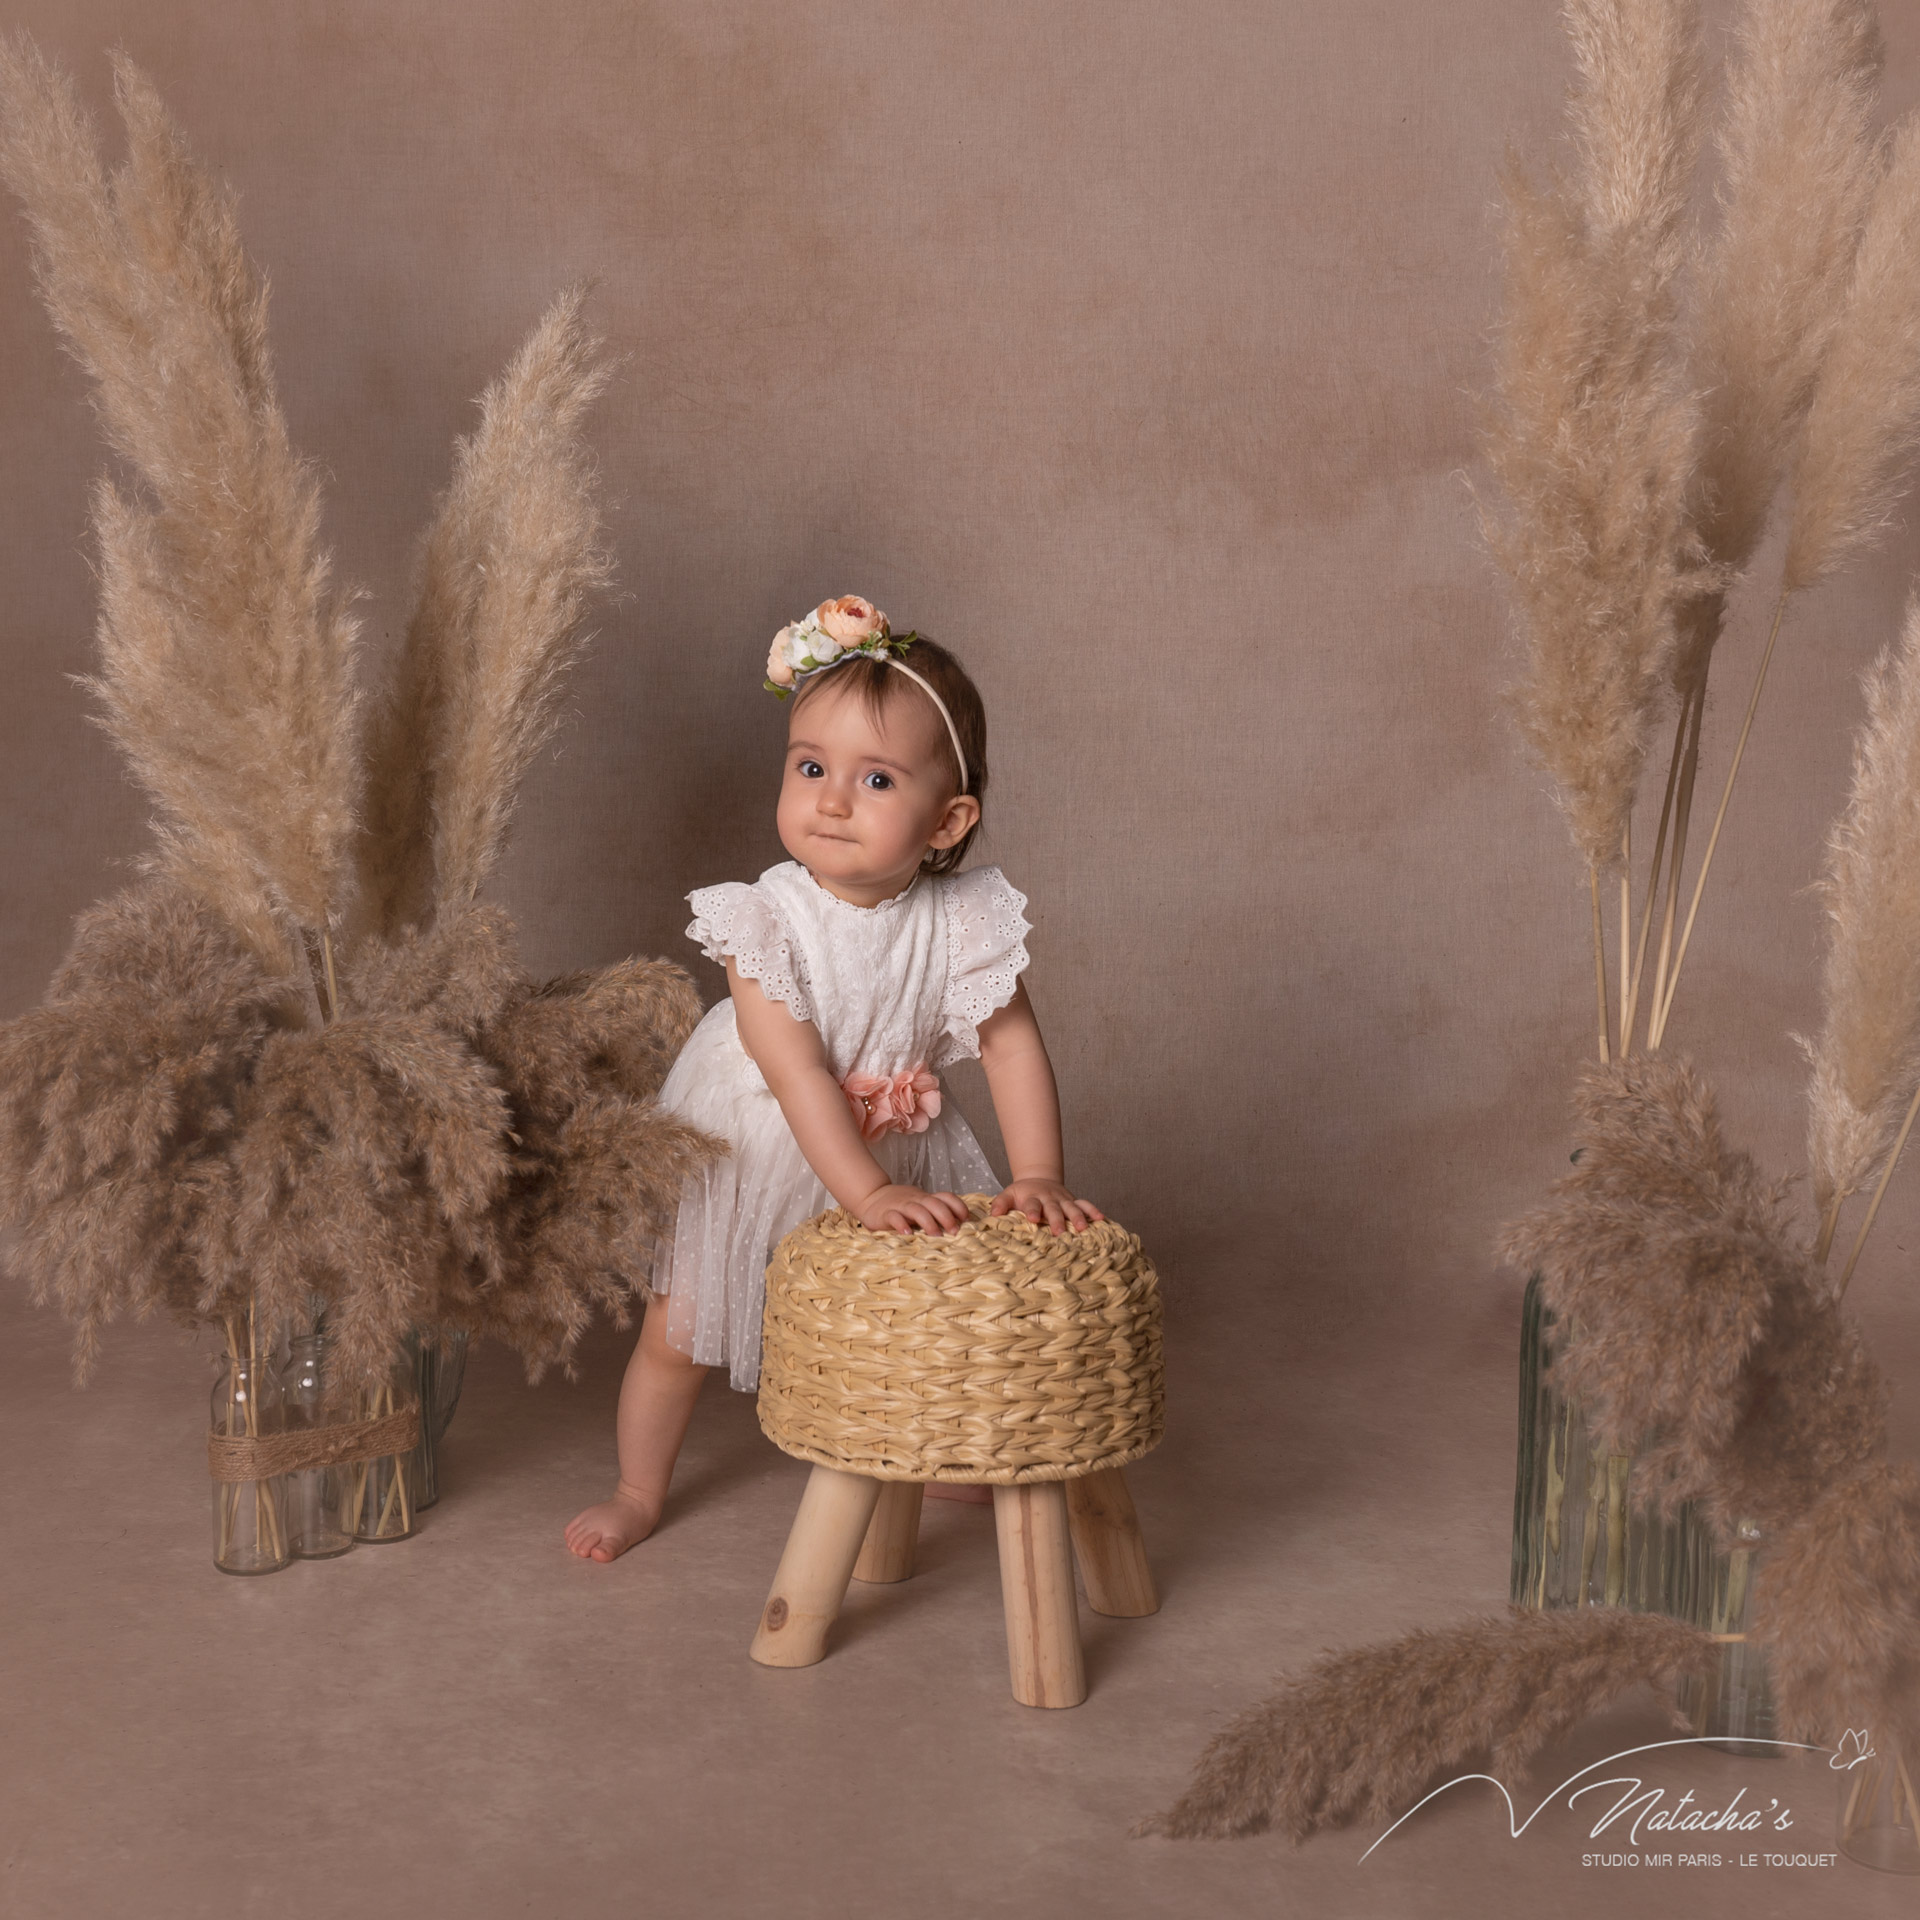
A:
(953, 732)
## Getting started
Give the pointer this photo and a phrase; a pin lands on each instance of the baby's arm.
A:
(793, 1063)
(1027, 1105)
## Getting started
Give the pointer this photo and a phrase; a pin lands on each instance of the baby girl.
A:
(853, 972)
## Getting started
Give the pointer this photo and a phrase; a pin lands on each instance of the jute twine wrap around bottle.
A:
(241, 1457)
(1000, 1353)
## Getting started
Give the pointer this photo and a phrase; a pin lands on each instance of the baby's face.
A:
(863, 798)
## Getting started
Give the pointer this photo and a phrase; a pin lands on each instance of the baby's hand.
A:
(900, 1209)
(1047, 1203)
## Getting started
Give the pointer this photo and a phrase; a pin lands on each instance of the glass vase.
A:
(382, 1498)
(319, 1499)
(1731, 1705)
(1879, 1812)
(250, 1533)
(1578, 1541)
(440, 1365)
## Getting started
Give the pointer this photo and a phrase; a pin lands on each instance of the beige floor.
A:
(473, 1722)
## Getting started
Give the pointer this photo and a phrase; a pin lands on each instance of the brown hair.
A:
(876, 683)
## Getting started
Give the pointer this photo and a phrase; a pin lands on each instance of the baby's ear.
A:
(961, 816)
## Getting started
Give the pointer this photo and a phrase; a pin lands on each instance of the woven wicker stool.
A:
(1001, 1354)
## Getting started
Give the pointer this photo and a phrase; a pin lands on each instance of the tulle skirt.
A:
(736, 1210)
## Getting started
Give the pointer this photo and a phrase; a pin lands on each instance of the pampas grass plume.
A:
(1866, 1059)
(462, 973)
(226, 663)
(1635, 117)
(1799, 161)
(1663, 1248)
(599, 1167)
(1864, 423)
(1837, 1606)
(507, 571)
(1813, 1411)
(1361, 1733)
(577, 1225)
(1799, 165)
(118, 1100)
(1592, 436)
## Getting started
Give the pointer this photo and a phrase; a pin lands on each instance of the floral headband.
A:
(846, 629)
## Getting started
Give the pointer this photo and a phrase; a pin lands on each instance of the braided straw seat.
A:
(1001, 1353)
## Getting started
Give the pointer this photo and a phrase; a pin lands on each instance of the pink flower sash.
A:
(906, 1102)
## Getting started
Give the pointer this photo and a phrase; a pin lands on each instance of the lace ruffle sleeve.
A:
(735, 921)
(986, 952)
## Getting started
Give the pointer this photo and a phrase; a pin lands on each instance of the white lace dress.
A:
(892, 989)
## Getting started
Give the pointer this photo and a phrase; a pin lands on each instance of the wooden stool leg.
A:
(1036, 1587)
(1107, 1543)
(812, 1577)
(886, 1554)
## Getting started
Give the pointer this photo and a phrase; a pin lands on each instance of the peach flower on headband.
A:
(850, 620)
(779, 660)
(905, 1103)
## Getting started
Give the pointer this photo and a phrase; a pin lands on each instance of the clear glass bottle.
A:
(319, 1499)
(382, 1497)
(1577, 1539)
(249, 1516)
(1879, 1812)
(440, 1361)
(1732, 1705)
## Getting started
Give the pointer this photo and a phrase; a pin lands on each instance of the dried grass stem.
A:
(1665, 1008)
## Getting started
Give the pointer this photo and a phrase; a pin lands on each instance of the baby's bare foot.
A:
(605, 1531)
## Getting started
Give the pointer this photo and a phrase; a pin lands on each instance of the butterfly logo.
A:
(1843, 1761)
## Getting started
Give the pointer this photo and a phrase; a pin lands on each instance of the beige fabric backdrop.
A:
(1128, 348)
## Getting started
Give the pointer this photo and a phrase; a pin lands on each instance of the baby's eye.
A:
(879, 781)
(810, 770)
